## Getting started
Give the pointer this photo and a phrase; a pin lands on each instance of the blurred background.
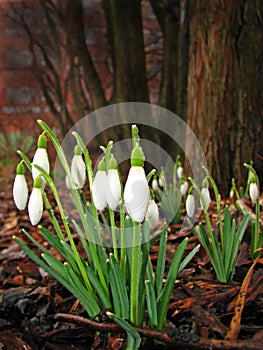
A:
(62, 59)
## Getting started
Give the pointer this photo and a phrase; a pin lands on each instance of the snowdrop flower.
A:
(152, 214)
(78, 168)
(160, 181)
(232, 193)
(41, 158)
(190, 204)
(180, 172)
(136, 191)
(35, 204)
(206, 194)
(113, 190)
(99, 187)
(20, 189)
(155, 185)
(253, 191)
(184, 188)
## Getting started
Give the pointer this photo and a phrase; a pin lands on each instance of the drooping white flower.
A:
(136, 191)
(184, 188)
(155, 185)
(113, 190)
(20, 189)
(78, 168)
(41, 158)
(152, 214)
(160, 181)
(207, 199)
(190, 205)
(253, 192)
(232, 194)
(180, 172)
(99, 187)
(35, 204)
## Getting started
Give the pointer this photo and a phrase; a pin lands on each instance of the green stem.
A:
(135, 274)
(122, 234)
(113, 234)
(215, 189)
(68, 231)
(76, 199)
(256, 238)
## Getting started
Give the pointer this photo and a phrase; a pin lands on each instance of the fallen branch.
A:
(205, 344)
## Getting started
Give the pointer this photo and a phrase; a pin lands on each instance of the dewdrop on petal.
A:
(20, 189)
(190, 204)
(113, 190)
(41, 158)
(136, 191)
(152, 214)
(78, 168)
(99, 187)
(35, 204)
(253, 191)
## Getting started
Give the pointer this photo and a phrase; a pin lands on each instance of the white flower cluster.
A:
(106, 190)
(190, 201)
(20, 188)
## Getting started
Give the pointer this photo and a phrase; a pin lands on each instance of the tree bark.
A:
(77, 50)
(127, 47)
(224, 86)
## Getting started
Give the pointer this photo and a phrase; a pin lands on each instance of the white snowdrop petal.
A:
(20, 192)
(190, 205)
(41, 159)
(155, 185)
(113, 190)
(35, 206)
(99, 189)
(152, 214)
(253, 192)
(78, 171)
(184, 188)
(180, 171)
(207, 198)
(136, 194)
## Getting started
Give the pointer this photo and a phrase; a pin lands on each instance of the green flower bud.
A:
(102, 165)
(112, 163)
(137, 156)
(42, 141)
(77, 151)
(20, 170)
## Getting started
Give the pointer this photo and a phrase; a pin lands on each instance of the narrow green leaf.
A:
(151, 304)
(161, 262)
(25, 159)
(82, 293)
(165, 295)
(119, 292)
(129, 329)
(189, 257)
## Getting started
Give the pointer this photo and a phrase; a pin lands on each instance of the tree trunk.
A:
(225, 86)
(126, 41)
(78, 51)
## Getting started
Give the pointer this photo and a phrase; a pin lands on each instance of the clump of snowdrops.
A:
(171, 194)
(252, 190)
(122, 279)
(222, 241)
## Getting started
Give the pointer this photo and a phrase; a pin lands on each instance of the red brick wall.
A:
(21, 102)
